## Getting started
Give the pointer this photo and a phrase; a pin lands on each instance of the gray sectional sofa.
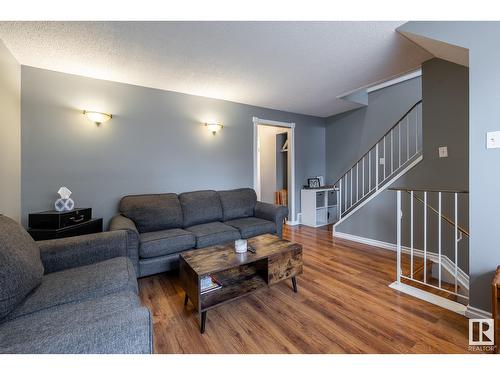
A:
(72, 295)
(161, 226)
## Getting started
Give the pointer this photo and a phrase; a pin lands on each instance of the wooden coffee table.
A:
(275, 260)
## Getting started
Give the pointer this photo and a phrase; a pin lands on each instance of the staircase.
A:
(393, 155)
(430, 281)
(432, 273)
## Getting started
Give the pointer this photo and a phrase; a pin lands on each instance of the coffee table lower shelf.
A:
(230, 293)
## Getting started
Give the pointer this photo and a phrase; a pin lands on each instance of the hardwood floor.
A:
(344, 305)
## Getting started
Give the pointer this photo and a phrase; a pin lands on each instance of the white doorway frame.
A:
(291, 162)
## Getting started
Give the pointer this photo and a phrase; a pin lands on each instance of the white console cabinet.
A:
(319, 206)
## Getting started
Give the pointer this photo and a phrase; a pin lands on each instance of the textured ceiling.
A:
(294, 66)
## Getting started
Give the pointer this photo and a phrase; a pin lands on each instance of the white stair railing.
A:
(446, 256)
(399, 149)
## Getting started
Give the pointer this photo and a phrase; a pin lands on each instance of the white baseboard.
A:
(365, 240)
(430, 297)
(294, 222)
(475, 313)
(447, 264)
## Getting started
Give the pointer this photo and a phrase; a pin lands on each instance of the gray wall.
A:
(351, 134)
(481, 39)
(445, 111)
(445, 122)
(10, 134)
(154, 143)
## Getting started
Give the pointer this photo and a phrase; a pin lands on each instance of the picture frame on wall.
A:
(313, 183)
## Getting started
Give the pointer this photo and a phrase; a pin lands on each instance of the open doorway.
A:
(274, 163)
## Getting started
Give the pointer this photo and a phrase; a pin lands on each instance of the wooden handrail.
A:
(430, 190)
(445, 218)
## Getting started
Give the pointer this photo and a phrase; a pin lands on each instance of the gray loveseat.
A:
(72, 295)
(164, 225)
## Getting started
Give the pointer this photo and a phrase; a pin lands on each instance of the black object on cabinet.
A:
(53, 224)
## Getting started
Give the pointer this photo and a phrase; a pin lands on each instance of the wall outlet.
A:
(382, 161)
(443, 151)
(493, 139)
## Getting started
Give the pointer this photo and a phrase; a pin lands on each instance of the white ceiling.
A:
(294, 66)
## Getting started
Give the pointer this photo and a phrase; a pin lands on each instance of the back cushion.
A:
(238, 203)
(200, 207)
(21, 269)
(152, 212)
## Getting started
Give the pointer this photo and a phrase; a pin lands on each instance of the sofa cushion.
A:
(213, 234)
(165, 242)
(111, 324)
(77, 284)
(152, 212)
(200, 207)
(252, 226)
(21, 269)
(237, 203)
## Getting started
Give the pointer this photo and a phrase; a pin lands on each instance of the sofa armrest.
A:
(272, 212)
(127, 331)
(120, 222)
(64, 253)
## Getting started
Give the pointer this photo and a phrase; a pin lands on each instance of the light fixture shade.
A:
(97, 117)
(214, 127)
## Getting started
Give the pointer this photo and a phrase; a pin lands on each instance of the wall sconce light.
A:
(97, 117)
(214, 127)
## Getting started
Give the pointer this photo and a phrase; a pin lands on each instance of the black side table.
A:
(91, 226)
(49, 225)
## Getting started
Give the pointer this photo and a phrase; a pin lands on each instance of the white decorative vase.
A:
(240, 246)
(64, 204)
